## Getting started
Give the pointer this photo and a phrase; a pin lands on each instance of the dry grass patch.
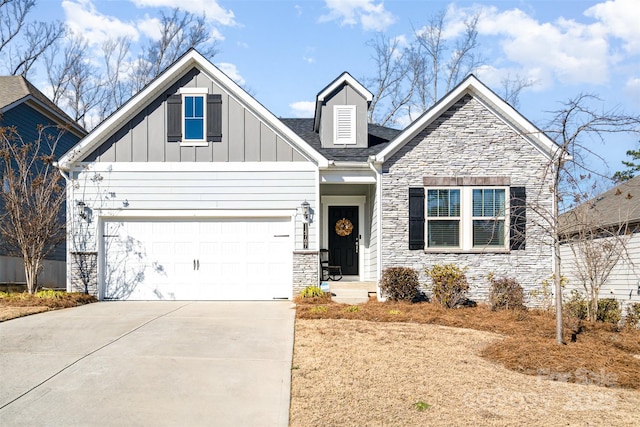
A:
(602, 354)
(14, 305)
(361, 373)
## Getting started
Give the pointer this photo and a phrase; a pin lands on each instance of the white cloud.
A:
(309, 59)
(232, 72)
(364, 12)
(150, 27)
(243, 45)
(83, 18)
(568, 51)
(621, 19)
(632, 90)
(211, 8)
(303, 108)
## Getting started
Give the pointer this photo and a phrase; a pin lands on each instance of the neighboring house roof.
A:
(15, 90)
(344, 78)
(618, 206)
(186, 62)
(379, 137)
(505, 112)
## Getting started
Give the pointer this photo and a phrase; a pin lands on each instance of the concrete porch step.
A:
(351, 292)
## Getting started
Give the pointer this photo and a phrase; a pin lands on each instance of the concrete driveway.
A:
(149, 363)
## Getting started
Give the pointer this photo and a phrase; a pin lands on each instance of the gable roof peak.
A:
(342, 79)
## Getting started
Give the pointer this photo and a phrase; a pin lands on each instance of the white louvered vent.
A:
(344, 124)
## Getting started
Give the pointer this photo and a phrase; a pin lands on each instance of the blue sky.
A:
(285, 51)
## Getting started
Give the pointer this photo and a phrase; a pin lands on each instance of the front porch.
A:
(350, 291)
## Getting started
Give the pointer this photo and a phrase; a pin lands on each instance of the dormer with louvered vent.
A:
(341, 113)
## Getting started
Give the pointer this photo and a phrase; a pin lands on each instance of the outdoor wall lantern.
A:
(81, 207)
(306, 218)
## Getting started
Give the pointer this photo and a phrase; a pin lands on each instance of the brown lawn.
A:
(14, 305)
(418, 364)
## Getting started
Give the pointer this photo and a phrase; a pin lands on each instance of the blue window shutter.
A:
(518, 226)
(174, 118)
(416, 218)
(214, 118)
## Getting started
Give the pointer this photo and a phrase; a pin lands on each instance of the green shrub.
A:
(609, 310)
(319, 309)
(400, 284)
(312, 292)
(50, 293)
(352, 309)
(576, 305)
(449, 284)
(632, 319)
(505, 293)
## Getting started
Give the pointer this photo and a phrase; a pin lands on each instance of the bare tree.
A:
(576, 123)
(23, 43)
(598, 241)
(117, 90)
(392, 84)
(179, 31)
(512, 86)
(33, 195)
(60, 63)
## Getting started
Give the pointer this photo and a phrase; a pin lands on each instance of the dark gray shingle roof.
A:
(379, 137)
(619, 205)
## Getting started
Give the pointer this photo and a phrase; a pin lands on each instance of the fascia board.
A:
(190, 59)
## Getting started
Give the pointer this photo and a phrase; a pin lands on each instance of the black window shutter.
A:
(416, 218)
(174, 118)
(214, 118)
(518, 227)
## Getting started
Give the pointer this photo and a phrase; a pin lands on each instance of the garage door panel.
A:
(187, 260)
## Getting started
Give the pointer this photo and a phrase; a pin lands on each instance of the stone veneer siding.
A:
(468, 140)
(305, 270)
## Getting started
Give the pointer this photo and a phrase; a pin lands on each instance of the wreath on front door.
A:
(344, 227)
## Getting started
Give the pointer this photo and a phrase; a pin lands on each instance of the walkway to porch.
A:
(350, 291)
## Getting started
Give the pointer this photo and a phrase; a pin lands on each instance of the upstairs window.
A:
(194, 117)
(194, 107)
(344, 124)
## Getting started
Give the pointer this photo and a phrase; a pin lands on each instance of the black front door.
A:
(344, 238)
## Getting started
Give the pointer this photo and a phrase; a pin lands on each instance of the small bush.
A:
(312, 292)
(632, 319)
(576, 305)
(400, 284)
(609, 311)
(319, 309)
(449, 284)
(352, 309)
(312, 295)
(505, 294)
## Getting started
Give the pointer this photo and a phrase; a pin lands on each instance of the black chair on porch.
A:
(329, 272)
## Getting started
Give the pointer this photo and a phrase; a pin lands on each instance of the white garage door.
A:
(221, 259)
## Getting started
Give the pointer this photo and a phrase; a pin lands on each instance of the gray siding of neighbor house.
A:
(467, 140)
(623, 281)
(245, 138)
(346, 95)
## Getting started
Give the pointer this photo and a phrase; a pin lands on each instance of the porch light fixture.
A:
(80, 206)
(306, 217)
(306, 211)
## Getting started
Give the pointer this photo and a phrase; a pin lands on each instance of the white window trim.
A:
(466, 221)
(351, 140)
(194, 91)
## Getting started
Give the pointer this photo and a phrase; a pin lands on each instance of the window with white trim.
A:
(194, 113)
(466, 218)
(344, 124)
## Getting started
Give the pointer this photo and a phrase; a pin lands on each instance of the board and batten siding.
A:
(346, 95)
(245, 137)
(623, 281)
(113, 190)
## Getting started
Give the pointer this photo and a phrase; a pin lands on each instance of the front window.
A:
(443, 218)
(194, 117)
(488, 217)
(467, 218)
